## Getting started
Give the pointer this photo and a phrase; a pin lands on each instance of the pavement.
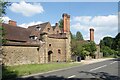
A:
(95, 68)
(94, 60)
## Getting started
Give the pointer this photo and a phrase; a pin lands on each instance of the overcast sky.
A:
(102, 16)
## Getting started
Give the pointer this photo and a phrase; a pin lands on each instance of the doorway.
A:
(50, 56)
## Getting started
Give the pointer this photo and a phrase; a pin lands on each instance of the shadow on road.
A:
(102, 75)
(97, 76)
(116, 59)
(56, 78)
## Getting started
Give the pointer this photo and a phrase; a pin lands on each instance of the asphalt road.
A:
(105, 70)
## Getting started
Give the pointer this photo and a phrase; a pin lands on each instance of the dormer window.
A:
(33, 37)
(48, 29)
(38, 28)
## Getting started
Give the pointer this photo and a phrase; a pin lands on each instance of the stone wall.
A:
(98, 54)
(57, 44)
(16, 55)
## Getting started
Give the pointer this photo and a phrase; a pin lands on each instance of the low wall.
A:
(17, 55)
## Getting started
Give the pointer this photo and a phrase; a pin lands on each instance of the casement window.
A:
(48, 29)
(38, 28)
(33, 37)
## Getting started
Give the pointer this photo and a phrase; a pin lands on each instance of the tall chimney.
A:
(13, 23)
(56, 24)
(91, 34)
(66, 22)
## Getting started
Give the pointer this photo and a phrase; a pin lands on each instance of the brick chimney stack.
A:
(13, 23)
(66, 23)
(56, 24)
(91, 34)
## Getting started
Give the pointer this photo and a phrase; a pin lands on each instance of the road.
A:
(105, 70)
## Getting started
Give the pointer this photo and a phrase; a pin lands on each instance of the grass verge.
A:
(28, 69)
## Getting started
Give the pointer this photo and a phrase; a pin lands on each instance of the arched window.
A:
(49, 45)
(48, 29)
(57, 32)
(59, 51)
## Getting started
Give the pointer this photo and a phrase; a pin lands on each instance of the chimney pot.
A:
(91, 34)
(64, 15)
(13, 23)
(56, 24)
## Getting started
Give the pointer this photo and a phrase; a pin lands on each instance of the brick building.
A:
(41, 43)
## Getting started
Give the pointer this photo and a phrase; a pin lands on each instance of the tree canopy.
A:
(79, 36)
(61, 23)
(110, 46)
(82, 49)
(3, 6)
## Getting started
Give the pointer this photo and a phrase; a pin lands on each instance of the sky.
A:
(102, 16)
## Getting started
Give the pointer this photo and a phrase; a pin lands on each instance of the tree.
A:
(73, 37)
(108, 41)
(91, 48)
(61, 23)
(116, 42)
(110, 46)
(79, 36)
(3, 6)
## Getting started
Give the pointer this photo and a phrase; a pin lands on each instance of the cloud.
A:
(25, 25)
(26, 9)
(5, 19)
(84, 19)
(103, 25)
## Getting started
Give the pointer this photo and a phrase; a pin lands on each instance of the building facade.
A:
(41, 43)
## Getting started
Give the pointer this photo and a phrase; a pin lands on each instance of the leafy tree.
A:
(79, 36)
(116, 43)
(91, 48)
(61, 23)
(110, 46)
(73, 37)
(6, 73)
(3, 6)
(108, 41)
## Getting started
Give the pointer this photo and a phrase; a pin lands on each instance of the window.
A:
(33, 37)
(48, 29)
(57, 32)
(59, 51)
(49, 45)
(38, 28)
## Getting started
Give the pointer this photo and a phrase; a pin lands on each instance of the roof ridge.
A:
(39, 24)
(13, 26)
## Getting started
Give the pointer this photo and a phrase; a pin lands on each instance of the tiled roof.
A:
(15, 33)
(58, 36)
(23, 44)
(36, 32)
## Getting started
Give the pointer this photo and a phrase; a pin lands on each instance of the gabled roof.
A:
(15, 33)
(53, 27)
(36, 32)
(42, 26)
